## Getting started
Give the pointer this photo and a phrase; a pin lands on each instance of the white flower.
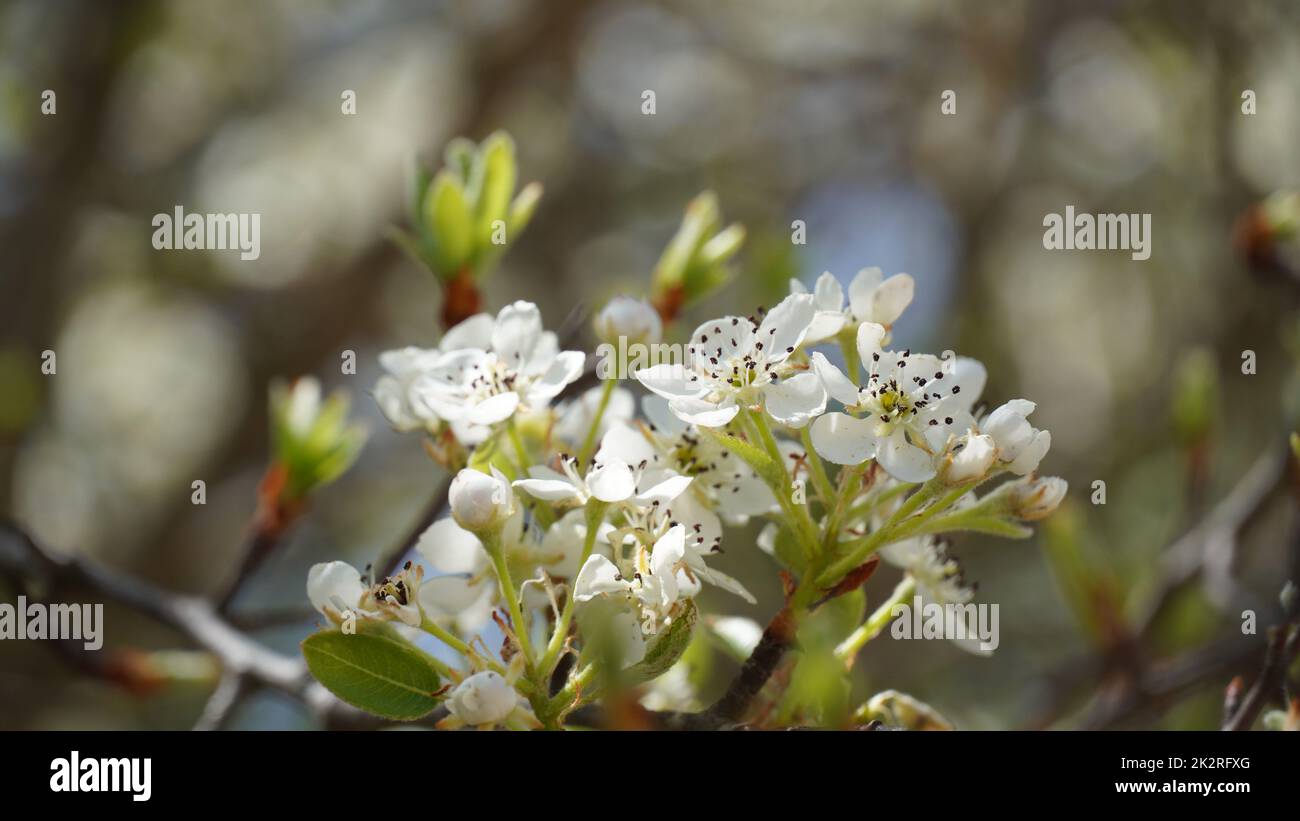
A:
(939, 579)
(654, 582)
(870, 300)
(723, 481)
(395, 392)
(404, 410)
(635, 320)
(909, 407)
(466, 588)
(1021, 446)
(611, 481)
(1034, 497)
(521, 367)
(336, 589)
(483, 699)
(733, 361)
(967, 459)
(478, 501)
(575, 416)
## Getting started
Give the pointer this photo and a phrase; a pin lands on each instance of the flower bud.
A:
(633, 319)
(1020, 445)
(480, 502)
(1035, 497)
(483, 698)
(968, 460)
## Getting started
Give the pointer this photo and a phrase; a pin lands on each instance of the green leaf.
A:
(753, 455)
(666, 649)
(448, 217)
(374, 672)
(498, 186)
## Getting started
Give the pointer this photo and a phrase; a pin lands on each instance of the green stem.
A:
(595, 515)
(492, 544)
(848, 480)
(886, 533)
(849, 347)
(589, 444)
(821, 480)
(875, 500)
(572, 695)
(799, 516)
(848, 649)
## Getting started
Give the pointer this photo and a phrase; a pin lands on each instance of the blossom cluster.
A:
(583, 527)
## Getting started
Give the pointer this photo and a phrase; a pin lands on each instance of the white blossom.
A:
(478, 501)
(483, 699)
(734, 360)
(336, 589)
(905, 412)
(635, 320)
(520, 367)
(1034, 497)
(1020, 445)
(870, 300)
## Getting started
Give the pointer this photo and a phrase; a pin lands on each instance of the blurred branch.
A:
(246, 665)
(1130, 683)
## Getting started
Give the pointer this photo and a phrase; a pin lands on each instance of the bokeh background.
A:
(825, 111)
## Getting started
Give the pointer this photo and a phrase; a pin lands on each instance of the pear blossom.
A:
(967, 459)
(521, 367)
(870, 300)
(1035, 497)
(734, 360)
(724, 482)
(483, 699)
(905, 412)
(336, 588)
(478, 501)
(611, 481)
(1020, 445)
(466, 590)
(395, 391)
(653, 582)
(939, 579)
(635, 320)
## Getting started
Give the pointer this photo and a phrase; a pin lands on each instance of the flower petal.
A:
(797, 400)
(516, 333)
(598, 576)
(551, 490)
(449, 548)
(861, 290)
(664, 491)
(844, 439)
(565, 368)
(903, 460)
(891, 299)
(785, 326)
(671, 380)
(494, 409)
(839, 386)
(704, 413)
(611, 482)
(870, 337)
(474, 332)
(331, 583)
